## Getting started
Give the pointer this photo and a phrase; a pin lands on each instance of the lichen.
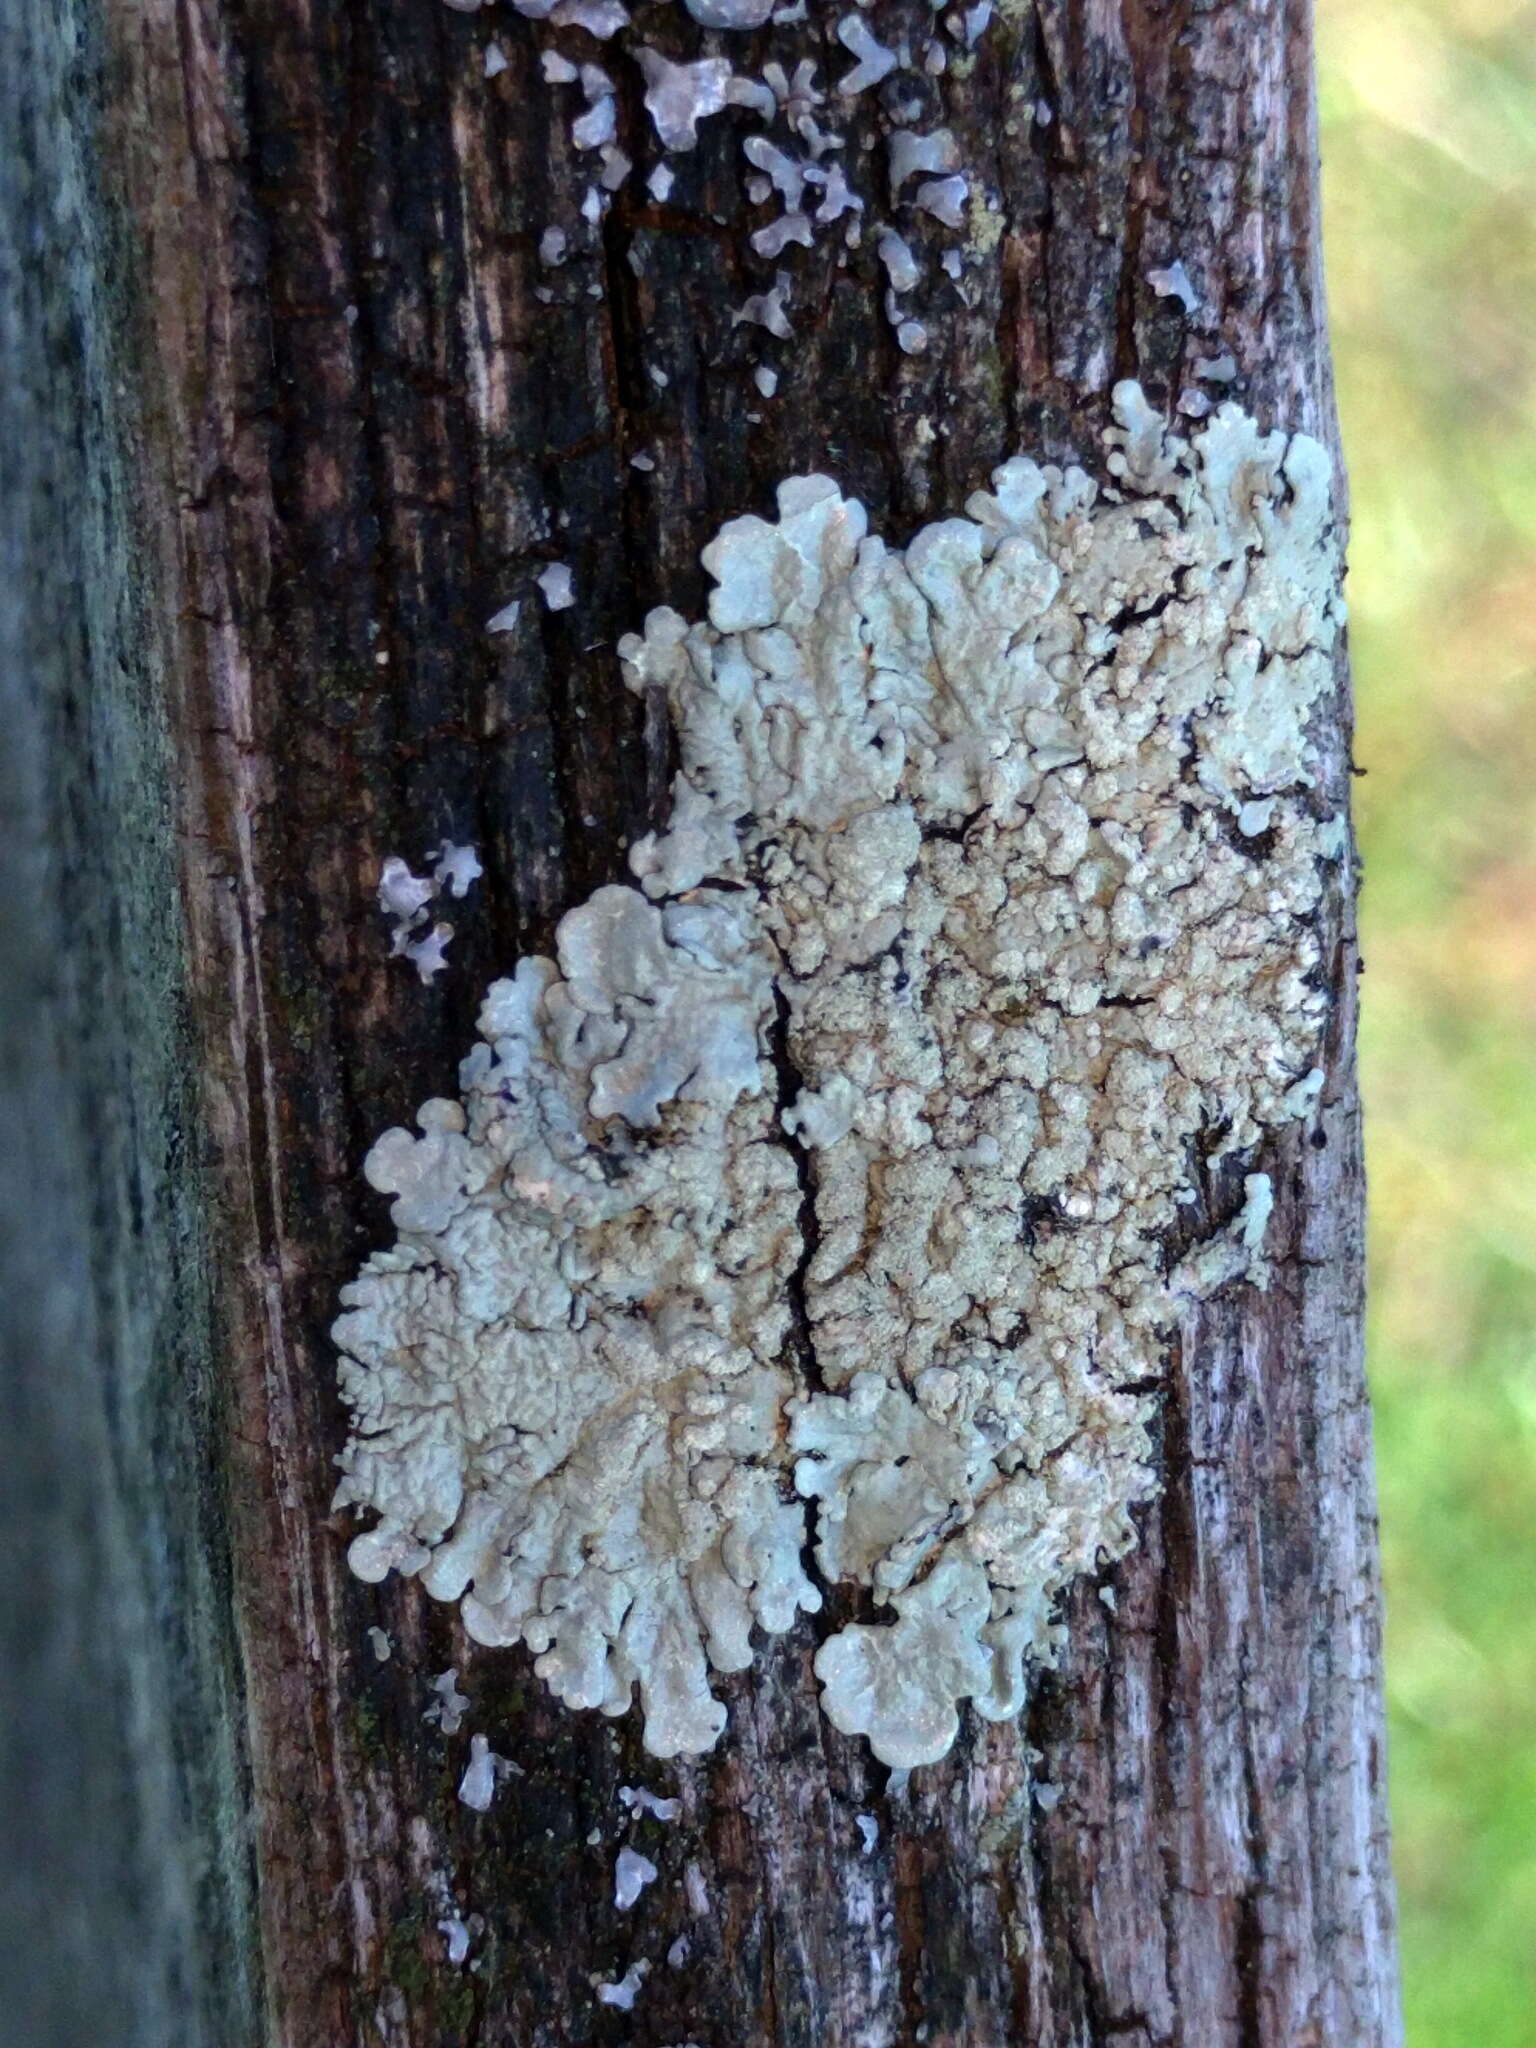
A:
(456, 1939)
(483, 1774)
(632, 1872)
(956, 845)
(625, 1990)
(640, 1799)
(448, 1709)
(875, 61)
(801, 132)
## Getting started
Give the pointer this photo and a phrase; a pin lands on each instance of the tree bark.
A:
(125, 1880)
(360, 431)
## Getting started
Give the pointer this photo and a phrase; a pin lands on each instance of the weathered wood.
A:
(125, 1879)
(364, 434)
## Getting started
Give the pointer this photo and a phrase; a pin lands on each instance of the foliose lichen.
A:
(959, 842)
(807, 142)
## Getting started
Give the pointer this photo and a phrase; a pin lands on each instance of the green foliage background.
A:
(1429, 160)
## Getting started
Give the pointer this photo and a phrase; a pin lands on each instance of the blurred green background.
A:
(1429, 159)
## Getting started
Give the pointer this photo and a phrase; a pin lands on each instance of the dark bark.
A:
(361, 433)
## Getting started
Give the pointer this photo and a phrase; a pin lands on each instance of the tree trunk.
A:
(367, 415)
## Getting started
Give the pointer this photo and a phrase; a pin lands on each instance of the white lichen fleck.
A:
(506, 619)
(600, 18)
(637, 1799)
(901, 266)
(975, 22)
(679, 96)
(405, 897)
(775, 238)
(766, 379)
(796, 92)
(456, 868)
(954, 840)
(1173, 282)
(785, 175)
(402, 895)
(485, 1771)
(869, 1831)
(911, 153)
(451, 1705)
(1258, 1207)
(626, 1990)
(495, 60)
(944, 198)
(554, 581)
(729, 13)
(838, 196)
(755, 93)
(660, 182)
(632, 1872)
(596, 128)
(766, 309)
(1300, 1099)
(875, 61)
(379, 1643)
(1220, 369)
(616, 167)
(428, 955)
(456, 1935)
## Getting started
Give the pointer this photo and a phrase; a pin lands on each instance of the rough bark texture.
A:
(363, 433)
(125, 1886)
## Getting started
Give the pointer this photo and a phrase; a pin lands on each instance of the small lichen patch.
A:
(403, 895)
(450, 1706)
(810, 139)
(1173, 282)
(405, 898)
(555, 582)
(957, 843)
(632, 1872)
(639, 1799)
(485, 1772)
(456, 1937)
(623, 1992)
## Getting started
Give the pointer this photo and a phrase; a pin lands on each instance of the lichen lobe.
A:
(977, 817)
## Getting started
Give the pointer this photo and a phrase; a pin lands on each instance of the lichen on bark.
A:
(1016, 828)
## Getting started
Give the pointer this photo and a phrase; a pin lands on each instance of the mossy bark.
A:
(366, 431)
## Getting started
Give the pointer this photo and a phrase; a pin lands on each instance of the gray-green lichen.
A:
(964, 834)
